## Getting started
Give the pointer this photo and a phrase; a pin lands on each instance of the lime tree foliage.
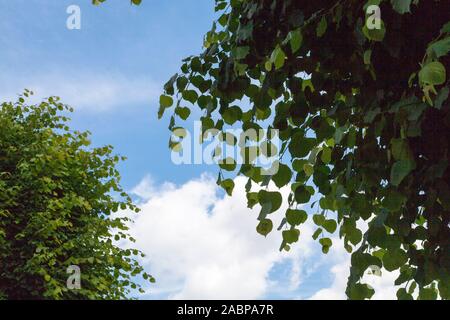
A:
(363, 112)
(57, 197)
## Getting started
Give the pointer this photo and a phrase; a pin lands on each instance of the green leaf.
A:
(394, 259)
(354, 236)
(283, 176)
(228, 164)
(326, 155)
(330, 225)
(291, 236)
(190, 95)
(309, 169)
(359, 291)
(278, 57)
(433, 73)
(232, 114)
(183, 112)
(228, 186)
(401, 6)
(441, 97)
(404, 276)
(326, 244)
(412, 287)
(322, 27)
(270, 197)
(328, 203)
(165, 101)
(325, 131)
(427, 294)
(440, 48)
(367, 56)
(351, 137)
(362, 261)
(400, 150)
(393, 201)
(241, 52)
(302, 195)
(446, 28)
(403, 295)
(317, 233)
(319, 219)
(400, 170)
(376, 34)
(252, 199)
(296, 217)
(182, 82)
(168, 87)
(268, 65)
(298, 164)
(300, 146)
(264, 227)
(444, 289)
(295, 40)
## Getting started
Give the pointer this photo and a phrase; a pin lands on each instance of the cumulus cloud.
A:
(146, 189)
(340, 270)
(84, 90)
(201, 244)
(383, 285)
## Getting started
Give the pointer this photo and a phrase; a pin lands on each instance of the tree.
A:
(359, 93)
(57, 196)
(361, 104)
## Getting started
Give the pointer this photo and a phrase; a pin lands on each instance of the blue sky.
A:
(142, 45)
(112, 71)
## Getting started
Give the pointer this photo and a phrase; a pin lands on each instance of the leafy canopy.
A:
(363, 112)
(57, 197)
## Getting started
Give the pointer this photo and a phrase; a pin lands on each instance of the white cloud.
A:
(146, 188)
(337, 290)
(383, 285)
(201, 244)
(87, 91)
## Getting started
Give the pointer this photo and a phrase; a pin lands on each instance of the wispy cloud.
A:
(94, 92)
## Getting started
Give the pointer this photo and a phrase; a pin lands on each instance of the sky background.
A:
(199, 243)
